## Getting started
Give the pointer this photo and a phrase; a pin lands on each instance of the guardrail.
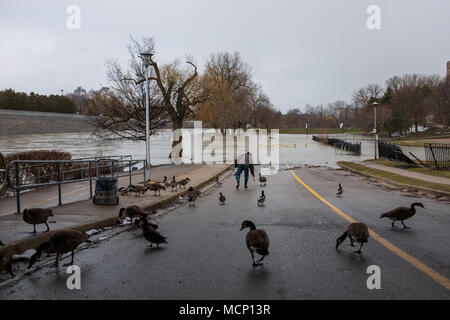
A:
(32, 174)
(340, 144)
(438, 155)
(12, 112)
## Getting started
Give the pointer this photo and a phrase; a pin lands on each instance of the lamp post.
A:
(375, 128)
(146, 57)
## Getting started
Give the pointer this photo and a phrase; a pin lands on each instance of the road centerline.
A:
(436, 276)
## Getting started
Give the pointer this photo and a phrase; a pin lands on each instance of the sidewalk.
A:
(47, 197)
(409, 174)
(76, 214)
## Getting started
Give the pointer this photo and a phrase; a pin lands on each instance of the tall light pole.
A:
(375, 127)
(146, 57)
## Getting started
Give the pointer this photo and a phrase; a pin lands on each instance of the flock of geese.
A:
(257, 240)
(141, 189)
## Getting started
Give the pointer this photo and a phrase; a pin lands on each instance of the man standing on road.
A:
(244, 163)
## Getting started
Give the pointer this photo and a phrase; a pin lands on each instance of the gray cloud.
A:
(300, 51)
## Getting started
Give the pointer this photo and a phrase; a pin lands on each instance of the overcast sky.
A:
(314, 51)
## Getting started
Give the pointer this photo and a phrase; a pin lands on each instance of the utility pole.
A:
(146, 57)
(375, 128)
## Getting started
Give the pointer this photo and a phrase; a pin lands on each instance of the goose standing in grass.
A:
(357, 230)
(261, 199)
(5, 263)
(222, 198)
(340, 191)
(60, 242)
(151, 235)
(184, 182)
(36, 216)
(257, 241)
(218, 182)
(402, 213)
(174, 184)
(262, 180)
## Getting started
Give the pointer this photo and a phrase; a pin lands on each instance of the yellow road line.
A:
(436, 276)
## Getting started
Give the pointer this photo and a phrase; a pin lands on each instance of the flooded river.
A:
(295, 149)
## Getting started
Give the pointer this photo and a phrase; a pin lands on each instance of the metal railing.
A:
(340, 144)
(32, 174)
(437, 155)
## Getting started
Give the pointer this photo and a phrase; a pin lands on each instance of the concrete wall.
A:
(27, 122)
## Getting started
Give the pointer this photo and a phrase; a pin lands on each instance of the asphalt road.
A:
(206, 257)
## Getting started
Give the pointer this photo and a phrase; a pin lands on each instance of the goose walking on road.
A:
(356, 231)
(340, 191)
(257, 241)
(402, 213)
(261, 199)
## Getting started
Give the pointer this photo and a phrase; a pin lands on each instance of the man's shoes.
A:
(246, 186)
(237, 186)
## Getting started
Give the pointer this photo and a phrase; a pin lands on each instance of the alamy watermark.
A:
(374, 280)
(213, 146)
(374, 20)
(74, 19)
(74, 280)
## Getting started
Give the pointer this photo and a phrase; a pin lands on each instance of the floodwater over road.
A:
(295, 149)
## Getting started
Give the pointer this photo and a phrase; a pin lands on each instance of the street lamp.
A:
(375, 127)
(146, 57)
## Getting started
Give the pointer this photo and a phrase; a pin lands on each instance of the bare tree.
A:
(439, 102)
(119, 111)
(227, 83)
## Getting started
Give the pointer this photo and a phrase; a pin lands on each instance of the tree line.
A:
(223, 94)
(10, 99)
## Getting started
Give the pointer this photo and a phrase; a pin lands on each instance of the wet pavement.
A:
(206, 257)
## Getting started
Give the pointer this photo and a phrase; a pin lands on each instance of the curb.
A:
(33, 242)
(407, 186)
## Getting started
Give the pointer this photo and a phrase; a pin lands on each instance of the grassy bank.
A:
(429, 171)
(395, 177)
(319, 130)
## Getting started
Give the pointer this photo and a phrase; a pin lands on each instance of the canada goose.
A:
(192, 196)
(257, 241)
(60, 242)
(165, 182)
(402, 213)
(174, 184)
(5, 263)
(340, 191)
(222, 198)
(218, 182)
(131, 212)
(184, 182)
(156, 187)
(262, 180)
(261, 199)
(356, 230)
(139, 189)
(36, 216)
(151, 235)
(124, 191)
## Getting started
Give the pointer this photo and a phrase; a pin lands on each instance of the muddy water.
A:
(293, 148)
